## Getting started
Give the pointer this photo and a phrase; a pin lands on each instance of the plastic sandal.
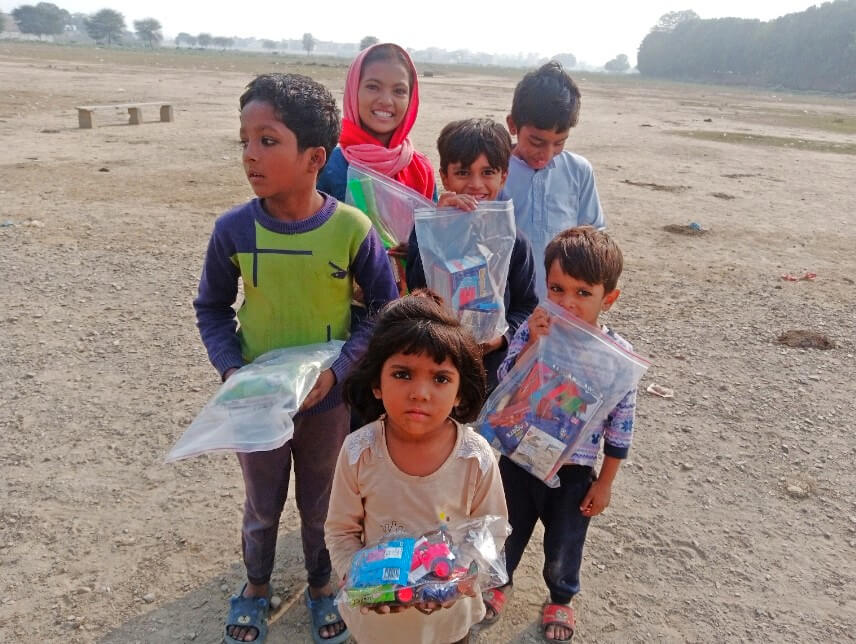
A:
(494, 599)
(324, 613)
(557, 615)
(247, 612)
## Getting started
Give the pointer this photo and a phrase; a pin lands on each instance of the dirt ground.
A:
(734, 519)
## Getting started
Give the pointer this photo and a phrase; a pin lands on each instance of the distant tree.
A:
(368, 41)
(618, 64)
(43, 19)
(222, 42)
(569, 61)
(269, 44)
(669, 21)
(106, 25)
(308, 43)
(186, 39)
(204, 40)
(148, 29)
(810, 50)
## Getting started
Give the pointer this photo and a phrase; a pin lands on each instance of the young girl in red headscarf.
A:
(380, 106)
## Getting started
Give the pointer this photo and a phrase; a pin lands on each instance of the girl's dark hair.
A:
(304, 106)
(418, 324)
(388, 52)
(464, 141)
(547, 99)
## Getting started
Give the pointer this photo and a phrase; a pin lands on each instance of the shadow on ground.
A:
(199, 616)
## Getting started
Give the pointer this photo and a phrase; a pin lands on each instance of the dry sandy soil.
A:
(733, 520)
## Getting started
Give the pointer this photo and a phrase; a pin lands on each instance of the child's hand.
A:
(539, 325)
(455, 200)
(325, 383)
(429, 607)
(597, 499)
(382, 609)
(492, 345)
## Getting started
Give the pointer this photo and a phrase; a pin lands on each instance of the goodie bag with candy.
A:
(465, 257)
(558, 395)
(253, 410)
(450, 562)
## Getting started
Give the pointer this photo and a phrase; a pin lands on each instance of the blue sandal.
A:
(324, 613)
(247, 612)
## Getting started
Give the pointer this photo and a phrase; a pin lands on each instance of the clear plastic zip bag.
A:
(465, 256)
(388, 203)
(253, 410)
(558, 395)
(445, 564)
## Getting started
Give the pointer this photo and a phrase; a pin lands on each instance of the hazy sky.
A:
(594, 32)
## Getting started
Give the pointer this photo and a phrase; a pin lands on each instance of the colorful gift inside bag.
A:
(465, 256)
(445, 564)
(387, 203)
(253, 410)
(558, 395)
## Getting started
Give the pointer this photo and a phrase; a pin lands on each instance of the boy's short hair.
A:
(588, 254)
(304, 106)
(464, 141)
(547, 99)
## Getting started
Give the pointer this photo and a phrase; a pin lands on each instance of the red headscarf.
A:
(398, 159)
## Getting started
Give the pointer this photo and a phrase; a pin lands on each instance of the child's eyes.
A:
(489, 172)
(583, 293)
(556, 289)
(401, 92)
(242, 143)
(462, 173)
(442, 380)
(400, 374)
(266, 140)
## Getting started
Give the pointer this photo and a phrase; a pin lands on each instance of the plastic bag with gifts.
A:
(445, 564)
(558, 395)
(465, 256)
(388, 203)
(253, 410)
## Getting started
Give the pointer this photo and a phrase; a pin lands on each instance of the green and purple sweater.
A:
(298, 280)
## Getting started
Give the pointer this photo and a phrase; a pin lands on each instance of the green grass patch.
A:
(787, 142)
(835, 122)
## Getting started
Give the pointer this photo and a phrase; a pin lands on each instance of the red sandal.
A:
(557, 615)
(494, 599)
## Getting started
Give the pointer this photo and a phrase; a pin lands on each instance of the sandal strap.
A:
(495, 598)
(558, 615)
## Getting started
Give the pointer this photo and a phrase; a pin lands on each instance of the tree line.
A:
(811, 50)
(106, 26)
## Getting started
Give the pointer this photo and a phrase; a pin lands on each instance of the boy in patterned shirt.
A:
(582, 266)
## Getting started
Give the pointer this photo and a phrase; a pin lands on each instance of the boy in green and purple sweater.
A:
(298, 253)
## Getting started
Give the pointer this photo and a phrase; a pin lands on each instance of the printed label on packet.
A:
(393, 553)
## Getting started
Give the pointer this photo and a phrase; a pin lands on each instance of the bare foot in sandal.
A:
(558, 623)
(494, 601)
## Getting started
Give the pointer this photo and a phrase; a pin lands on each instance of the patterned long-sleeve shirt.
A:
(616, 433)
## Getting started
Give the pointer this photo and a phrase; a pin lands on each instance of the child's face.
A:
(272, 161)
(417, 393)
(584, 300)
(383, 98)
(479, 180)
(537, 147)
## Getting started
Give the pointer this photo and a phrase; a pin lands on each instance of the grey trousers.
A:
(314, 450)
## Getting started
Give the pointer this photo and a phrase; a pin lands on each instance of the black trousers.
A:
(565, 527)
